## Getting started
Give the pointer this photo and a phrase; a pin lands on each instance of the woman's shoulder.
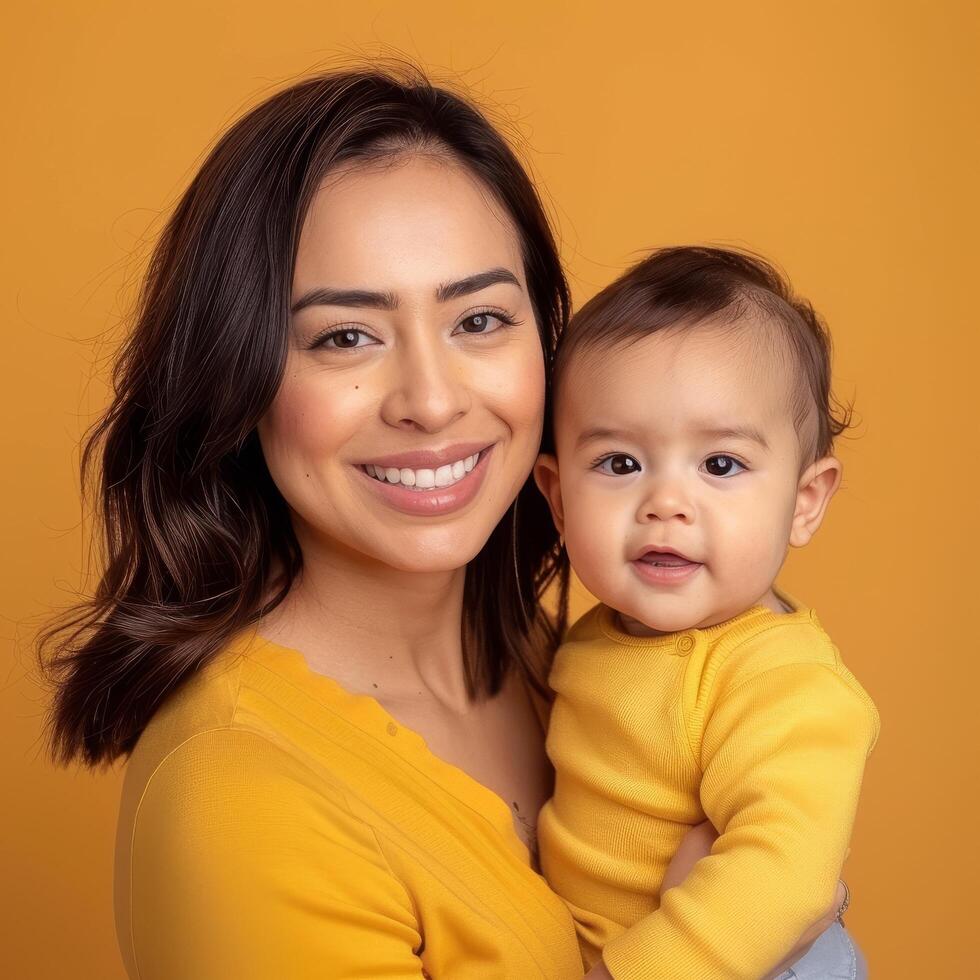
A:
(223, 823)
(239, 720)
(205, 701)
(229, 781)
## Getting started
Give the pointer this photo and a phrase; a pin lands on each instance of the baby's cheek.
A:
(595, 547)
(752, 560)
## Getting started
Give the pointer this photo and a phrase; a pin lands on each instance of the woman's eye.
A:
(619, 464)
(345, 339)
(722, 465)
(485, 322)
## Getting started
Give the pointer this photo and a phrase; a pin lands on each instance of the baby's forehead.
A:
(741, 371)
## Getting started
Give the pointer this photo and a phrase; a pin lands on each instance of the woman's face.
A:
(410, 411)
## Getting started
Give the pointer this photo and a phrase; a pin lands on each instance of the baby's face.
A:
(677, 484)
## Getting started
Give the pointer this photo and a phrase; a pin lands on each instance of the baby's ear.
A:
(817, 485)
(546, 477)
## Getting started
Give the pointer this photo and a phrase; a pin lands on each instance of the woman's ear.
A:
(546, 477)
(817, 485)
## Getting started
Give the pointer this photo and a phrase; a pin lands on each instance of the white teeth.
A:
(424, 479)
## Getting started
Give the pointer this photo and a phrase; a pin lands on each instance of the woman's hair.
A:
(683, 287)
(195, 535)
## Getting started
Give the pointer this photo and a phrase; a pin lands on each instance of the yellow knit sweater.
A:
(754, 724)
(274, 826)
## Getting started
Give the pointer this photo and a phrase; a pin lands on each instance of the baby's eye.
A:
(722, 465)
(484, 322)
(619, 465)
(345, 339)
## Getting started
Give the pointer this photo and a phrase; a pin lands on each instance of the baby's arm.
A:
(783, 758)
(696, 844)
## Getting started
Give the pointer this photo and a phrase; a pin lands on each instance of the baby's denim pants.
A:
(834, 955)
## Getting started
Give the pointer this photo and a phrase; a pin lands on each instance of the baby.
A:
(693, 445)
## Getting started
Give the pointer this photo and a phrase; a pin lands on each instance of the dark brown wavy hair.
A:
(196, 540)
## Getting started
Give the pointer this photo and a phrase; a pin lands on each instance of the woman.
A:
(319, 637)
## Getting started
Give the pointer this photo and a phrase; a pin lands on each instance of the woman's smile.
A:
(437, 489)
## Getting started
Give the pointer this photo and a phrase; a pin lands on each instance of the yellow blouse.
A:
(273, 825)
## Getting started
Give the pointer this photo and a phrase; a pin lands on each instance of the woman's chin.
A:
(433, 552)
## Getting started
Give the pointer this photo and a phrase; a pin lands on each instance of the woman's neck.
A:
(375, 629)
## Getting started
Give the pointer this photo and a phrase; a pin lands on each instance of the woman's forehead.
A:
(404, 226)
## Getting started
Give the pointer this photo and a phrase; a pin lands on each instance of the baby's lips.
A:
(666, 557)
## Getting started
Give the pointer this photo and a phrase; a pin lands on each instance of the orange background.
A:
(839, 138)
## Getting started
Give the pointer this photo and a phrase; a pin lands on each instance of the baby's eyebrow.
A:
(600, 433)
(747, 432)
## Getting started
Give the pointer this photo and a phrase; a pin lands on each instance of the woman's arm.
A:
(247, 864)
(695, 845)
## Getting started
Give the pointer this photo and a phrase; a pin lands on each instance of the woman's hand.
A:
(599, 972)
(809, 936)
(696, 844)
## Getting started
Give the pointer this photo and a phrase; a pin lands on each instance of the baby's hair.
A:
(684, 286)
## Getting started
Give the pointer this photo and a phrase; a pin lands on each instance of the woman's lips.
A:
(428, 458)
(437, 500)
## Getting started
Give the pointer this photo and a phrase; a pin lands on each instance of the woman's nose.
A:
(427, 388)
(666, 498)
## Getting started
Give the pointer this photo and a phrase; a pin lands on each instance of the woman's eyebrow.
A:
(325, 296)
(474, 283)
(366, 298)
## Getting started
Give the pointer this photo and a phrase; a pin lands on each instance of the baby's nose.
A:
(666, 499)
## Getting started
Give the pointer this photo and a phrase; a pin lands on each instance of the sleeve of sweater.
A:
(246, 864)
(782, 757)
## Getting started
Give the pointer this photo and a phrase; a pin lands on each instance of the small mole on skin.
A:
(374, 685)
